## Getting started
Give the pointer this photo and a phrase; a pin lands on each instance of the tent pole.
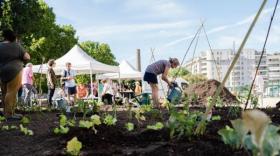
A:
(91, 85)
(98, 91)
(119, 79)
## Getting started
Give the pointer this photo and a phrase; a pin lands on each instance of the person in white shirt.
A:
(107, 92)
(68, 77)
(259, 87)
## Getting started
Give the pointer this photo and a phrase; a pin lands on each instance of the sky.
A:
(168, 26)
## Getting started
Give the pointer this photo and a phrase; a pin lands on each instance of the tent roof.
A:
(127, 71)
(81, 62)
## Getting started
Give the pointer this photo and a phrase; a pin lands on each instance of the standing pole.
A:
(201, 127)
(91, 84)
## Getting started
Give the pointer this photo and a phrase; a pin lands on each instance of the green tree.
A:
(100, 52)
(34, 22)
(174, 72)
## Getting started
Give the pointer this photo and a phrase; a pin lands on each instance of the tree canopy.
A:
(99, 51)
(34, 23)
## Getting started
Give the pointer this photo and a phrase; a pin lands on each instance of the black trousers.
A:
(107, 99)
(50, 95)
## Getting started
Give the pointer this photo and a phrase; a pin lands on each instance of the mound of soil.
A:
(208, 88)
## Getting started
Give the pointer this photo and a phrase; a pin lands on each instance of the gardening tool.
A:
(174, 93)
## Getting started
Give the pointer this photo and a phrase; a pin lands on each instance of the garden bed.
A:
(117, 140)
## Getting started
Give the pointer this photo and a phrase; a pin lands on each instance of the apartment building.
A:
(273, 66)
(215, 64)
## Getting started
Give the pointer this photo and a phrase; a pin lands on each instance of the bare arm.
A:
(26, 56)
(164, 76)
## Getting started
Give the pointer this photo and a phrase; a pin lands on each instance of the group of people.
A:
(13, 77)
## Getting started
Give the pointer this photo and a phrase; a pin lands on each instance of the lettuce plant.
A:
(25, 130)
(73, 147)
(2, 118)
(94, 120)
(63, 125)
(109, 120)
(263, 138)
(129, 126)
(157, 126)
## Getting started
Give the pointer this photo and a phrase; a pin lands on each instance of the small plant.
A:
(2, 118)
(63, 125)
(129, 126)
(109, 120)
(85, 124)
(182, 123)
(139, 113)
(61, 130)
(263, 138)
(94, 120)
(25, 120)
(219, 102)
(7, 127)
(157, 126)
(234, 110)
(25, 130)
(254, 101)
(216, 118)
(73, 147)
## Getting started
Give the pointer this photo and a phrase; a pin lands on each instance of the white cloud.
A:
(110, 31)
(217, 29)
(163, 8)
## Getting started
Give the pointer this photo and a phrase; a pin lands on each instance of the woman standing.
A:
(51, 78)
(11, 65)
(160, 67)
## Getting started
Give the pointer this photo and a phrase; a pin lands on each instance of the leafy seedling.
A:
(25, 130)
(25, 121)
(216, 118)
(61, 130)
(73, 147)
(129, 126)
(157, 126)
(85, 124)
(109, 120)
(2, 118)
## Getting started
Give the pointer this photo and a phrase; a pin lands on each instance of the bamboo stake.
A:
(201, 126)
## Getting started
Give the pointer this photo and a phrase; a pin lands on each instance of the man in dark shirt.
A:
(11, 65)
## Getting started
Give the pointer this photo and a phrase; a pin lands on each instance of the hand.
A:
(170, 84)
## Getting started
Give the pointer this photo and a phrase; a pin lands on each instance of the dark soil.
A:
(208, 88)
(116, 140)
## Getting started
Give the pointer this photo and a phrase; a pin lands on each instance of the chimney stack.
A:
(138, 60)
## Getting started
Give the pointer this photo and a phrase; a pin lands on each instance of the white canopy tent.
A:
(127, 71)
(81, 62)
